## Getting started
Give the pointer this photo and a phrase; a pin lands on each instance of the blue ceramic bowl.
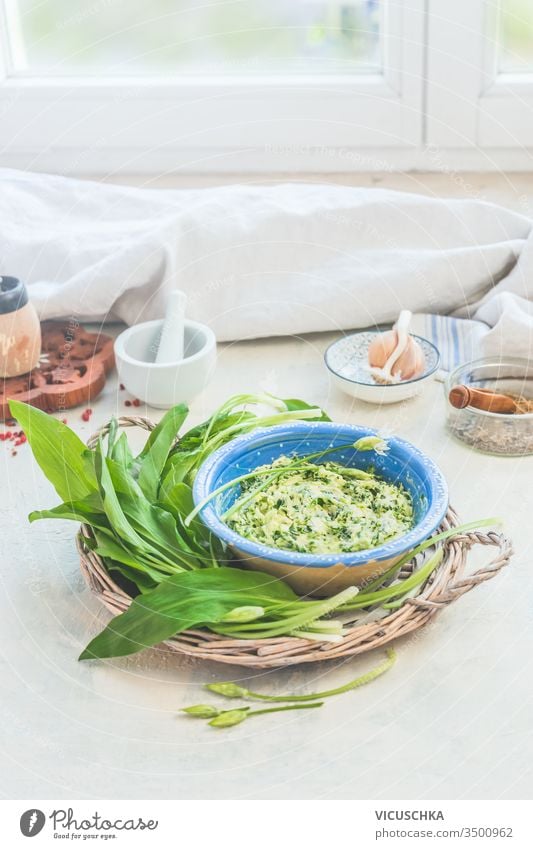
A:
(321, 574)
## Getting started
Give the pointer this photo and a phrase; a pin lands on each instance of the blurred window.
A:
(515, 36)
(236, 37)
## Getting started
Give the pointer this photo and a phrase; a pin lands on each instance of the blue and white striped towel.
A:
(457, 339)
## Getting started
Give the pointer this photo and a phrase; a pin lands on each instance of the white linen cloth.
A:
(270, 260)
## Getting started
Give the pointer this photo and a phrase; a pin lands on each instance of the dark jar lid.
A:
(13, 295)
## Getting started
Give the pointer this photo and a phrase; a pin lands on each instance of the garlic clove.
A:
(395, 355)
(410, 363)
(381, 348)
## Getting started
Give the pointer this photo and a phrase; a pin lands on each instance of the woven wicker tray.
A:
(365, 631)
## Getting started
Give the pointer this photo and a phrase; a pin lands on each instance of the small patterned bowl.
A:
(347, 360)
(321, 574)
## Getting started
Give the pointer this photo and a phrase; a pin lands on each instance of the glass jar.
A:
(493, 433)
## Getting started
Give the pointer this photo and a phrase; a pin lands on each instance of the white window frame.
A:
(427, 109)
(146, 125)
(470, 104)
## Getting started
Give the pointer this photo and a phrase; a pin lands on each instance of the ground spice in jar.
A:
(493, 433)
(507, 432)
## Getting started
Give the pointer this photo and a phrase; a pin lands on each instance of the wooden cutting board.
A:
(72, 370)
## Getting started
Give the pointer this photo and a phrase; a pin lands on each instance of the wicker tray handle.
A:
(123, 421)
(446, 584)
(456, 589)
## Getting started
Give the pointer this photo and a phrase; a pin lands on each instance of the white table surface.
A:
(451, 720)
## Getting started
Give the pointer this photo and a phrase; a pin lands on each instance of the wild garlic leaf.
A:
(177, 470)
(85, 511)
(175, 414)
(132, 581)
(123, 482)
(154, 455)
(143, 574)
(185, 459)
(179, 501)
(112, 506)
(58, 451)
(186, 600)
(196, 435)
(294, 404)
(239, 585)
(112, 433)
(158, 527)
(108, 546)
(154, 617)
(121, 452)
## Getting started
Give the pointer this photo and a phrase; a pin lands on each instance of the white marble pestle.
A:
(171, 343)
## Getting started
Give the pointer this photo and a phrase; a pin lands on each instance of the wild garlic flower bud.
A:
(202, 711)
(247, 613)
(228, 689)
(228, 718)
(372, 443)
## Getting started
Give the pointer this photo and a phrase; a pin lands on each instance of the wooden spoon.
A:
(485, 399)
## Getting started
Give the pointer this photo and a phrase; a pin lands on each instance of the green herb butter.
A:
(320, 509)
